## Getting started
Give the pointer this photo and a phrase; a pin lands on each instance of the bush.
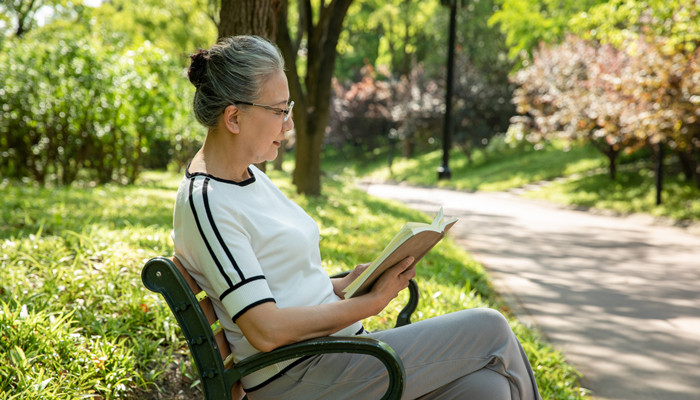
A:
(373, 113)
(74, 106)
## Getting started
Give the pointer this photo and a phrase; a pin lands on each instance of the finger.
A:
(409, 273)
(406, 263)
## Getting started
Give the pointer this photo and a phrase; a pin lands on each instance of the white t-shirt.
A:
(245, 244)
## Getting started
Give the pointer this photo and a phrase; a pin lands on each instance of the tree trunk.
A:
(313, 98)
(248, 17)
(690, 167)
(611, 153)
(686, 165)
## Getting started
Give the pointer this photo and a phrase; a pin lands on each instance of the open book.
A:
(413, 239)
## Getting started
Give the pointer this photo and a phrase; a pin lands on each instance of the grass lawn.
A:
(491, 170)
(633, 191)
(587, 183)
(76, 322)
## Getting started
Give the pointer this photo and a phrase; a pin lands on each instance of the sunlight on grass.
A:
(491, 170)
(631, 192)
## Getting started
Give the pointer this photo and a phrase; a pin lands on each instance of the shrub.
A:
(74, 106)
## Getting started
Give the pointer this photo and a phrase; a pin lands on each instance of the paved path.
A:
(619, 296)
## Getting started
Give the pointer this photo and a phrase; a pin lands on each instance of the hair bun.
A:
(198, 67)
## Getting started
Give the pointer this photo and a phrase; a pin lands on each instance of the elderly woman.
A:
(256, 254)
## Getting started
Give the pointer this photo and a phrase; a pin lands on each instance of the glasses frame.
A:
(287, 112)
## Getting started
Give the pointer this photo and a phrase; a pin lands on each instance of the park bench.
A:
(220, 377)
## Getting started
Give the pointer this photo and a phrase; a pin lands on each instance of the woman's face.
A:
(262, 129)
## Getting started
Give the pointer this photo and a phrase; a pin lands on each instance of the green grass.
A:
(631, 192)
(586, 170)
(491, 170)
(76, 322)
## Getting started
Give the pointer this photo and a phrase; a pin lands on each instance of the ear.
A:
(231, 115)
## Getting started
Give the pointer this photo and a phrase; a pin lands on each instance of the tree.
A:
(248, 17)
(317, 37)
(392, 35)
(572, 91)
(528, 22)
(23, 12)
(665, 84)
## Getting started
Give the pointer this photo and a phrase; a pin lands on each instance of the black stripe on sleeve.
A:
(204, 238)
(236, 286)
(251, 305)
(210, 216)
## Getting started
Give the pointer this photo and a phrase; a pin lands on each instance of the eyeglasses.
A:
(279, 111)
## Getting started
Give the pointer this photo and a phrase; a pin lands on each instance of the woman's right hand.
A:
(392, 281)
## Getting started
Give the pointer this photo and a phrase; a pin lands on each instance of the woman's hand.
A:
(339, 284)
(392, 281)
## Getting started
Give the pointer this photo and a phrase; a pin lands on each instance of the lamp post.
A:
(444, 170)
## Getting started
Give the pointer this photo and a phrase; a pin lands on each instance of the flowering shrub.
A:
(615, 99)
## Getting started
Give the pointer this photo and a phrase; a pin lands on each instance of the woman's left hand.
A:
(339, 284)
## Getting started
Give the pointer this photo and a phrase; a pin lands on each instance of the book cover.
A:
(413, 239)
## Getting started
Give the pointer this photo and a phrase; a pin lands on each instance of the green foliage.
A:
(401, 47)
(389, 35)
(75, 320)
(482, 43)
(394, 37)
(526, 23)
(77, 105)
(19, 16)
(622, 21)
(179, 27)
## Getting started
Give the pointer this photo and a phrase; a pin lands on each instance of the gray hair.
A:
(233, 70)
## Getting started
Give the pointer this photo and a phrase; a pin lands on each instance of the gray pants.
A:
(470, 354)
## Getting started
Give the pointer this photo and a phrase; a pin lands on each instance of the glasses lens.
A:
(289, 111)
